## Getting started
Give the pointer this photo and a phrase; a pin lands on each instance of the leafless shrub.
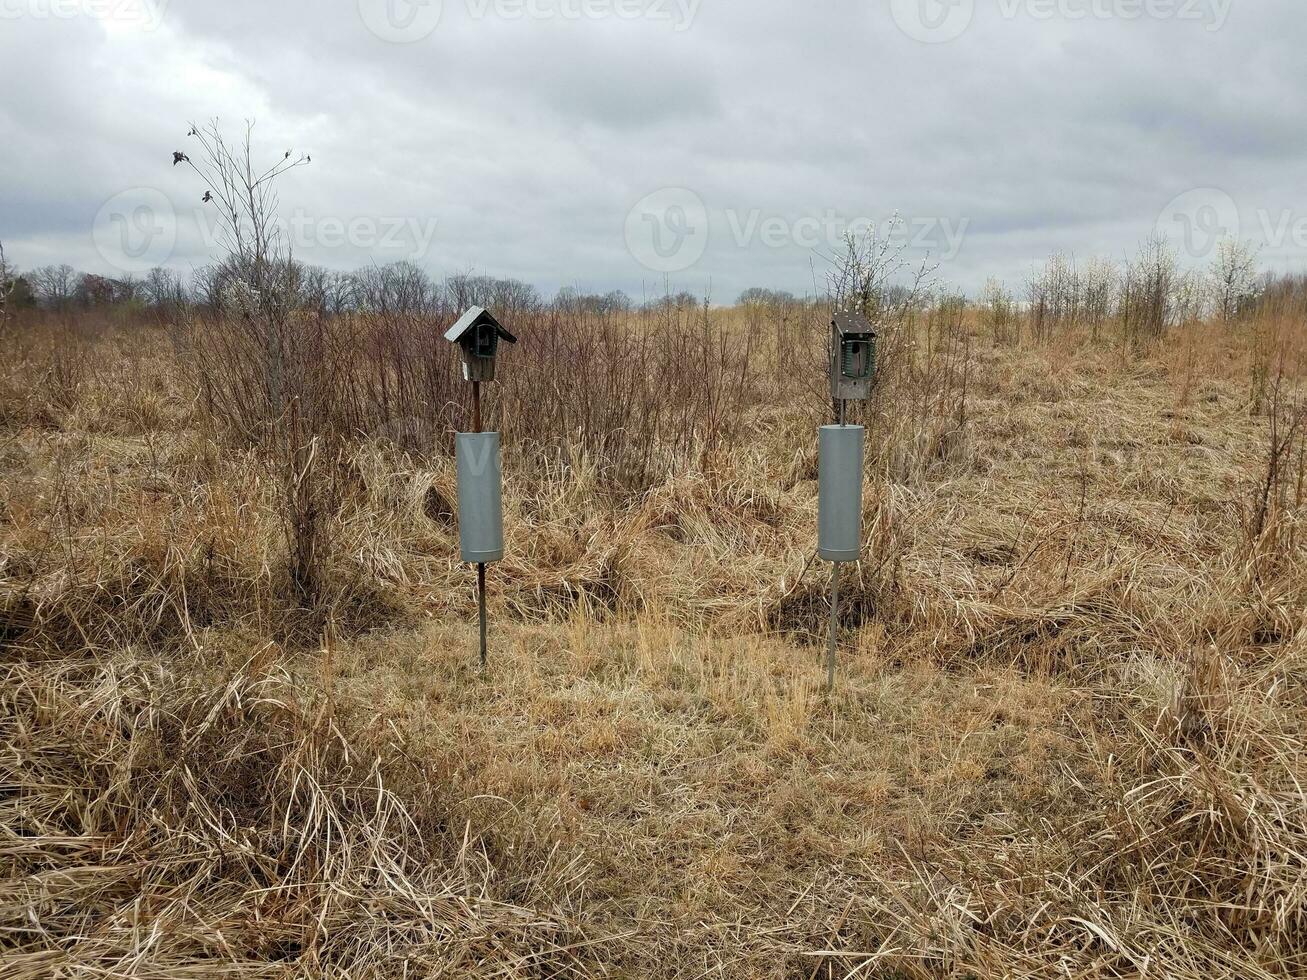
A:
(1233, 279)
(1282, 296)
(779, 322)
(166, 294)
(70, 364)
(400, 288)
(260, 273)
(636, 391)
(54, 285)
(999, 313)
(7, 287)
(1054, 296)
(1276, 499)
(508, 297)
(938, 376)
(269, 372)
(1191, 298)
(1097, 294)
(1147, 304)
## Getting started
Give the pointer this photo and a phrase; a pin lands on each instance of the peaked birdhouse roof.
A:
(474, 317)
(847, 322)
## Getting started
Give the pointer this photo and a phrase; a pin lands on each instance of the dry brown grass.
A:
(1068, 737)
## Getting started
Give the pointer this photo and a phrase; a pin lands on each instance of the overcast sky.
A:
(606, 144)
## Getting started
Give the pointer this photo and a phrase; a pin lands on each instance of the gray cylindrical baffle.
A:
(839, 492)
(480, 502)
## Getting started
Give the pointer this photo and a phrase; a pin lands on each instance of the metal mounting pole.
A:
(481, 566)
(834, 625)
(833, 639)
(481, 608)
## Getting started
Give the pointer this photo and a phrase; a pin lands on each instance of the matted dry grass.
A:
(1067, 738)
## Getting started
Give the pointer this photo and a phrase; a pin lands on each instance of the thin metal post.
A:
(834, 625)
(481, 566)
(833, 639)
(481, 609)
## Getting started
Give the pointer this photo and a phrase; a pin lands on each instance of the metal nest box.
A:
(853, 356)
(478, 334)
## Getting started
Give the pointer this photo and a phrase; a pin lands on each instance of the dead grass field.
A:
(1067, 739)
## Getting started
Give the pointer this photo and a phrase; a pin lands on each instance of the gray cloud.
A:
(518, 144)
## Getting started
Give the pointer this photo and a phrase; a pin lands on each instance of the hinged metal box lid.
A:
(848, 322)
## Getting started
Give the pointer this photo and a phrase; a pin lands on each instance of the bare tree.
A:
(8, 282)
(1147, 305)
(867, 276)
(128, 288)
(54, 285)
(1099, 284)
(999, 312)
(1055, 296)
(265, 366)
(400, 287)
(1233, 277)
(92, 290)
(245, 197)
(341, 292)
(314, 287)
(161, 287)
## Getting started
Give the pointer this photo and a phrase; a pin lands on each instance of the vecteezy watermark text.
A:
(139, 228)
(669, 230)
(679, 14)
(302, 230)
(938, 21)
(135, 229)
(1197, 221)
(147, 14)
(406, 21)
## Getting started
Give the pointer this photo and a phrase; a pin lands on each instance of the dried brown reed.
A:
(1068, 739)
(166, 827)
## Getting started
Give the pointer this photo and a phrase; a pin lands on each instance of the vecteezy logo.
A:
(146, 14)
(1198, 220)
(667, 231)
(933, 21)
(400, 21)
(135, 230)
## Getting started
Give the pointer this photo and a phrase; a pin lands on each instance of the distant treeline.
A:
(1146, 295)
(397, 287)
